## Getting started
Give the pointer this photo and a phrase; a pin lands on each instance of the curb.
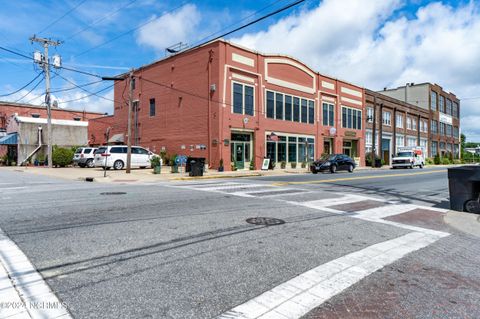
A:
(465, 222)
(214, 177)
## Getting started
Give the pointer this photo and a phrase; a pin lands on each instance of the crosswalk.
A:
(299, 295)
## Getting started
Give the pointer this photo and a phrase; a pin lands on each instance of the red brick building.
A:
(9, 109)
(223, 101)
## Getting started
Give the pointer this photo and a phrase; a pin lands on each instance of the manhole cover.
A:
(267, 221)
(113, 193)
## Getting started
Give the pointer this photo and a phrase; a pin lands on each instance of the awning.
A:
(9, 139)
(116, 138)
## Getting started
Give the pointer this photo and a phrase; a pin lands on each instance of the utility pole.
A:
(44, 62)
(129, 122)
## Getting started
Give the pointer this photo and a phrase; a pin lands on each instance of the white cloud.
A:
(364, 44)
(170, 28)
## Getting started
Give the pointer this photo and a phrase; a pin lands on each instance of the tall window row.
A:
(444, 105)
(328, 114)
(290, 108)
(351, 118)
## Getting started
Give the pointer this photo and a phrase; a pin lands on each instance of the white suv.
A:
(84, 156)
(116, 156)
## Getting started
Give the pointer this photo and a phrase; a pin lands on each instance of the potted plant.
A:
(234, 166)
(283, 164)
(156, 162)
(252, 165)
(220, 167)
(304, 164)
(293, 165)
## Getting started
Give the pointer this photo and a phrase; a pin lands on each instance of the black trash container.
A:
(464, 188)
(378, 162)
(195, 166)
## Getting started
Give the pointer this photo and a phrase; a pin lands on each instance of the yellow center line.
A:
(355, 178)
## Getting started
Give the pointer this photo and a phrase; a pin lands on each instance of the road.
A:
(370, 244)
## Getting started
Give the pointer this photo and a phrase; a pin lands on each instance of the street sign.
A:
(181, 160)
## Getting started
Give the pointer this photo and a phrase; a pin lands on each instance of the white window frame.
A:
(369, 114)
(387, 121)
(398, 120)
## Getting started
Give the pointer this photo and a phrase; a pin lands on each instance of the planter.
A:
(157, 169)
(220, 169)
(174, 169)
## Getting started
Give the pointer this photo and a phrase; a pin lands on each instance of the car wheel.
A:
(472, 206)
(421, 165)
(143, 167)
(90, 163)
(333, 169)
(118, 165)
(411, 166)
(314, 171)
(350, 168)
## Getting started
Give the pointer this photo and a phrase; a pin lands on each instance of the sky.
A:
(371, 43)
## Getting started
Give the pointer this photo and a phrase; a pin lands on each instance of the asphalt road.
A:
(185, 250)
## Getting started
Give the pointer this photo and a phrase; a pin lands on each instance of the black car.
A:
(333, 163)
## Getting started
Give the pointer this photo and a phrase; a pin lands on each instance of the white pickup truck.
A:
(409, 157)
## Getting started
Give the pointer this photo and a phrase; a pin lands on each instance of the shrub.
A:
(445, 161)
(62, 156)
(155, 161)
(436, 160)
(171, 160)
(252, 165)
(163, 156)
(457, 161)
(293, 164)
(429, 161)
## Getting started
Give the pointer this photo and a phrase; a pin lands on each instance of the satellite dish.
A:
(333, 131)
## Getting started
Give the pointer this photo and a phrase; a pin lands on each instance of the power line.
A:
(89, 26)
(33, 88)
(63, 16)
(81, 88)
(46, 62)
(91, 94)
(35, 78)
(131, 30)
(233, 24)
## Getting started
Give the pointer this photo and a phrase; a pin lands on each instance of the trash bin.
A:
(464, 188)
(378, 162)
(195, 166)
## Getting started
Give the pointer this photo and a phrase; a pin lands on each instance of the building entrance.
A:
(241, 146)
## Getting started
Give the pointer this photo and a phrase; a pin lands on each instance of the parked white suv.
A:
(116, 156)
(84, 156)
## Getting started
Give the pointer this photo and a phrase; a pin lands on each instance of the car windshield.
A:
(404, 154)
(327, 157)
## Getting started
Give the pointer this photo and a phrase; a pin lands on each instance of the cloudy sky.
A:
(373, 43)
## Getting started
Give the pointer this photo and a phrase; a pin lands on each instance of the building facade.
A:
(233, 105)
(444, 115)
(396, 124)
(9, 111)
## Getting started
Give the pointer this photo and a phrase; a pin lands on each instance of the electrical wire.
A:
(239, 21)
(91, 94)
(33, 88)
(63, 16)
(81, 88)
(89, 26)
(63, 67)
(34, 79)
(131, 30)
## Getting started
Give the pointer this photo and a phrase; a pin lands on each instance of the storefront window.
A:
(292, 149)
(272, 151)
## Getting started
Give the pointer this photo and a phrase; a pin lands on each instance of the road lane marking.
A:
(354, 178)
(298, 296)
(36, 297)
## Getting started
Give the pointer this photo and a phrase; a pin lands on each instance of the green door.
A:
(240, 155)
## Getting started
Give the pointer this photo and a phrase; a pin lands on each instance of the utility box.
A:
(464, 188)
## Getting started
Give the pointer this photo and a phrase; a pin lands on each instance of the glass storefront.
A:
(241, 149)
(291, 149)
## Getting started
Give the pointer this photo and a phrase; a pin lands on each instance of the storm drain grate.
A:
(266, 221)
(113, 193)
